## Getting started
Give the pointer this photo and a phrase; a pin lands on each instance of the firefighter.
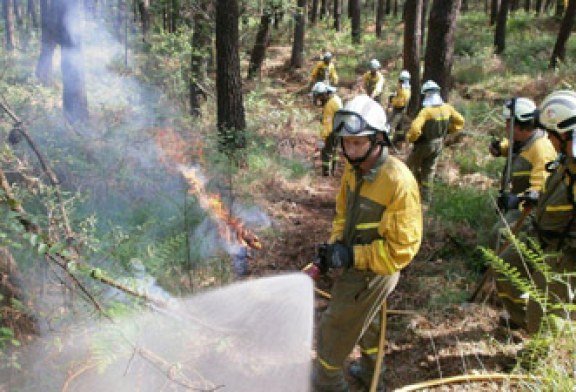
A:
(399, 103)
(376, 232)
(555, 213)
(324, 71)
(373, 80)
(428, 130)
(531, 150)
(324, 95)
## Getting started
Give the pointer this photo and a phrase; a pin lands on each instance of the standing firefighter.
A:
(324, 95)
(555, 214)
(399, 103)
(523, 178)
(324, 71)
(376, 232)
(373, 80)
(428, 131)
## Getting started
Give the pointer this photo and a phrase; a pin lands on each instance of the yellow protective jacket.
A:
(556, 208)
(435, 122)
(401, 98)
(373, 84)
(322, 72)
(333, 104)
(528, 171)
(380, 215)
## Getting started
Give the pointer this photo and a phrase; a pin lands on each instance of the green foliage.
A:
(460, 205)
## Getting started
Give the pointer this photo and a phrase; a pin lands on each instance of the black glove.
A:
(495, 148)
(339, 256)
(508, 201)
(530, 198)
(322, 259)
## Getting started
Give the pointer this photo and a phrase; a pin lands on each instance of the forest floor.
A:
(438, 336)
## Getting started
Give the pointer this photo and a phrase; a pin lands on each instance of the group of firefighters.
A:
(378, 225)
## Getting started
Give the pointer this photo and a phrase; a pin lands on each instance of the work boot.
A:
(504, 320)
(324, 381)
(358, 373)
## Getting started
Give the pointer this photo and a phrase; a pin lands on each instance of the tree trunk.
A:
(356, 22)
(200, 58)
(144, 10)
(494, 8)
(559, 8)
(17, 13)
(395, 8)
(313, 12)
(527, 5)
(337, 15)
(559, 52)
(260, 46)
(464, 6)
(44, 71)
(500, 33)
(297, 59)
(379, 18)
(31, 11)
(231, 119)
(388, 8)
(323, 9)
(9, 24)
(412, 47)
(440, 43)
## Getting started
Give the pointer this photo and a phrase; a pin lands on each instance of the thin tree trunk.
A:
(297, 59)
(494, 8)
(260, 46)
(144, 10)
(440, 43)
(313, 12)
(559, 52)
(200, 58)
(423, 22)
(379, 18)
(31, 11)
(44, 70)
(355, 11)
(412, 48)
(500, 33)
(337, 15)
(9, 24)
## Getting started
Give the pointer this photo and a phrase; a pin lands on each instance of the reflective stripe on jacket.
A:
(373, 84)
(322, 73)
(380, 215)
(528, 169)
(333, 104)
(435, 122)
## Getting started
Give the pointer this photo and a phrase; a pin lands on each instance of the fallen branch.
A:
(465, 378)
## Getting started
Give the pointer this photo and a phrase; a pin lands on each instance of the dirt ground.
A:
(426, 341)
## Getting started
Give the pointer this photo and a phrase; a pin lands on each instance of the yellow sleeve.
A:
(416, 126)
(504, 147)
(328, 116)
(456, 121)
(401, 98)
(539, 155)
(332, 74)
(400, 228)
(365, 79)
(337, 233)
(315, 70)
(379, 86)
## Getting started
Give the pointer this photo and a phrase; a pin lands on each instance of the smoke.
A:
(254, 336)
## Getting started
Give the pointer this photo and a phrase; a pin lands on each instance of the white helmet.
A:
(374, 64)
(322, 88)
(361, 116)
(524, 109)
(404, 75)
(327, 56)
(558, 111)
(430, 86)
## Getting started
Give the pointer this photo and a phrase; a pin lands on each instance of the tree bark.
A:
(144, 10)
(423, 22)
(31, 11)
(338, 15)
(260, 46)
(200, 57)
(500, 33)
(440, 43)
(7, 9)
(231, 119)
(412, 48)
(44, 70)
(313, 12)
(379, 18)
(356, 22)
(559, 52)
(494, 8)
(297, 59)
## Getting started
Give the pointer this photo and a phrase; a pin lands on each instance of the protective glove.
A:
(494, 148)
(322, 259)
(339, 256)
(530, 198)
(508, 201)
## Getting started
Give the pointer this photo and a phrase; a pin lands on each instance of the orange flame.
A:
(229, 227)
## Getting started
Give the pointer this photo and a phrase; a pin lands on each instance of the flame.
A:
(175, 150)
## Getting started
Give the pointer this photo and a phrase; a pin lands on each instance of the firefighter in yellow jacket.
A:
(553, 221)
(373, 81)
(428, 130)
(376, 232)
(324, 71)
(325, 96)
(531, 150)
(399, 103)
